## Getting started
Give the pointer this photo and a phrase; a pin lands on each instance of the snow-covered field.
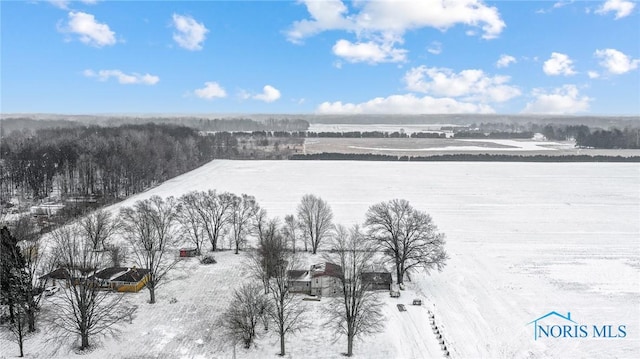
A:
(524, 239)
(505, 146)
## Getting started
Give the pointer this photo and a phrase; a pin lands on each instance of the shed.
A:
(188, 252)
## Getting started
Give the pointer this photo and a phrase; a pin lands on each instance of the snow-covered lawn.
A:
(524, 239)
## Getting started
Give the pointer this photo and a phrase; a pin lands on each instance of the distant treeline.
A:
(349, 134)
(109, 162)
(463, 157)
(10, 125)
(626, 138)
(586, 137)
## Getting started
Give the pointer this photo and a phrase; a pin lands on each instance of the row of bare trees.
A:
(395, 233)
(211, 216)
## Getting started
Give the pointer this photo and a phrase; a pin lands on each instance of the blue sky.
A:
(385, 56)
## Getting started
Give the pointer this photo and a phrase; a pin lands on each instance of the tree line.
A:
(26, 124)
(107, 162)
(152, 230)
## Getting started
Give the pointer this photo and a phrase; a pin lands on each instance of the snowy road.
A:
(411, 330)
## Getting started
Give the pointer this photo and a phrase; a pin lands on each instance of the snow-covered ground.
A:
(524, 239)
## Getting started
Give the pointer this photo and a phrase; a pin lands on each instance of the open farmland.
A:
(524, 239)
(440, 146)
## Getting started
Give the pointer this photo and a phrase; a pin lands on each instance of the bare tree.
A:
(286, 310)
(82, 308)
(315, 217)
(260, 224)
(357, 312)
(290, 230)
(407, 235)
(243, 314)
(148, 226)
(215, 211)
(98, 227)
(188, 216)
(265, 259)
(242, 213)
(17, 326)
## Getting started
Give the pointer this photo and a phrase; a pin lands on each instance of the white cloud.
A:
(125, 79)
(622, 8)
(325, 15)
(190, 34)
(210, 91)
(562, 100)
(558, 64)
(471, 85)
(593, 74)
(616, 62)
(381, 23)
(505, 61)
(391, 16)
(404, 104)
(90, 31)
(370, 52)
(269, 94)
(435, 48)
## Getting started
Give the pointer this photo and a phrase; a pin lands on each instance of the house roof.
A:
(60, 273)
(377, 277)
(326, 269)
(111, 272)
(133, 275)
(63, 273)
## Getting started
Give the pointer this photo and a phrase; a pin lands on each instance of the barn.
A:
(377, 280)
